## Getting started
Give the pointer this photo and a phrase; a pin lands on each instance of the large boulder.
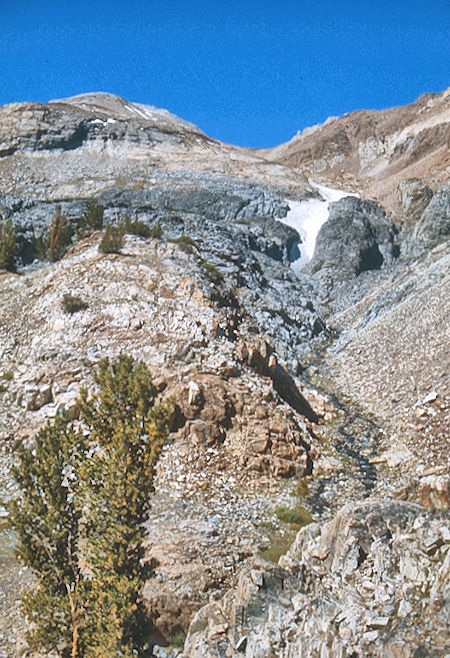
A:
(434, 225)
(414, 195)
(358, 236)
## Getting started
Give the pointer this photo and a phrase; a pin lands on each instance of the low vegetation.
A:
(112, 241)
(298, 516)
(62, 234)
(186, 243)
(72, 304)
(212, 272)
(91, 221)
(136, 227)
(84, 490)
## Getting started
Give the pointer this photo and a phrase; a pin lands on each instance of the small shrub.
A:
(40, 247)
(156, 232)
(137, 227)
(212, 271)
(8, 246)
(177, 639)
(7, 376)
(267, 525)
(186, 243)
(112, 241)
(91, 221)
(72, 304)
(278, 547)
(295, 515)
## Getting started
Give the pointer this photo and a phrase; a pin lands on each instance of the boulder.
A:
(433, 227)
(358, 236)
(434, 492)
(414, 195)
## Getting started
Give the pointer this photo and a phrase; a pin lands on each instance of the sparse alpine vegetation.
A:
(71, 304)
(112, 240)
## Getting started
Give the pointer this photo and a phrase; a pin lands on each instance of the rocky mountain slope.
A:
(373, 151)
(305, 387)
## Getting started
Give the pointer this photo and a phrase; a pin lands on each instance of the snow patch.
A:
(307, 217)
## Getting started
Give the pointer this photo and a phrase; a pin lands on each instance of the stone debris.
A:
(302, 609)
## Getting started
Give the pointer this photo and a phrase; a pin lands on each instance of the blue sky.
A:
(250, 73)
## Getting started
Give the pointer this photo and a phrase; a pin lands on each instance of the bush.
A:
(112, 241)
(72, 304)
(212, 271)
(186, 243)
(91, 221)
(295, 515)
(8, 246)
(83, 499)
(136, 227)
(177, 639)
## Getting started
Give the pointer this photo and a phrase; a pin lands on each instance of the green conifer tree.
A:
(80, 517)
(47, 520)
(92, 220)
(8, 247)
(112, 241)
(60, 236)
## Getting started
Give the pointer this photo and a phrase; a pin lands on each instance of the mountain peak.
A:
(103, 103)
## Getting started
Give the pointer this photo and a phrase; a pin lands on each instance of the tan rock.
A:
(434, 492)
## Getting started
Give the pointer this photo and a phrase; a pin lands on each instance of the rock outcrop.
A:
(372, 582)
(433, 227)
(357, 237)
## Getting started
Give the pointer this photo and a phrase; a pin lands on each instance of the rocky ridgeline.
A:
(374, 151)
(317, 389)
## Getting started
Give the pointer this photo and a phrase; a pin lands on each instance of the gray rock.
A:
(414, 196)
(310, 604)
(357, 237)
(433, 227)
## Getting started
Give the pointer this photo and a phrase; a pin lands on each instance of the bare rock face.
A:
(356, 238)
(352, 588)
(433, 228)
(414, 196)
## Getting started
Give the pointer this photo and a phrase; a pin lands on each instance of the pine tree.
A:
(8, 247)
(112, 241)
(47, 521)
(92, 220)
(60, 236)
(80, 518)
(128, 431)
